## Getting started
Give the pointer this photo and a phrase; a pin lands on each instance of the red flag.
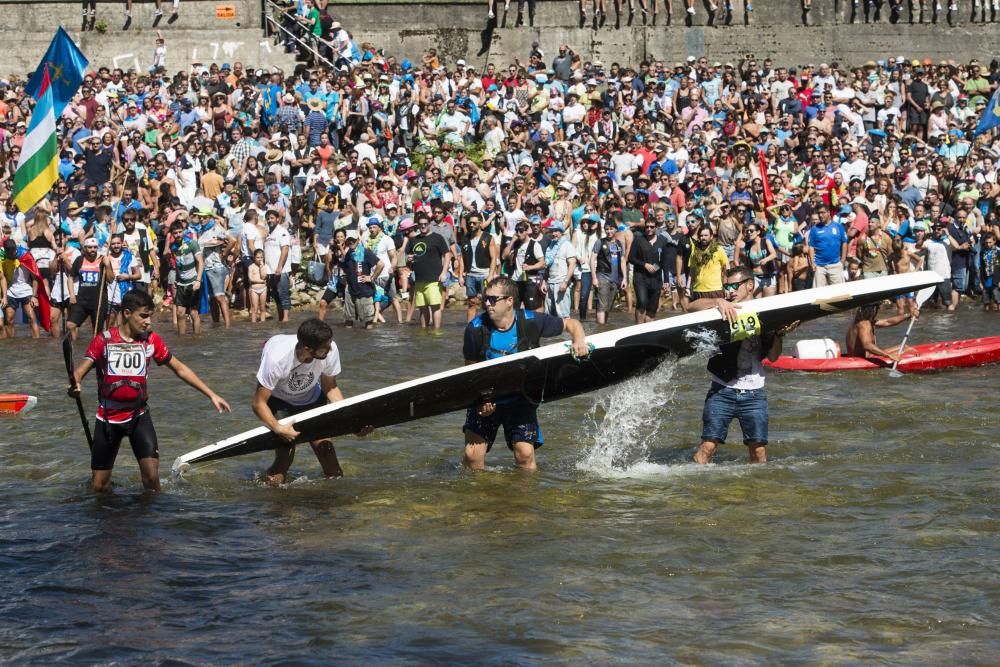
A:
(768, 196)
(44, 307)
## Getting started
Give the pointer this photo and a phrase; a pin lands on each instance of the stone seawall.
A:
(229, 31)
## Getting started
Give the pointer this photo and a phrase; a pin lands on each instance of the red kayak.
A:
(15, 403)
(928, 357)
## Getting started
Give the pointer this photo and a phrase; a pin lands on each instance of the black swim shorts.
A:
(108, 438)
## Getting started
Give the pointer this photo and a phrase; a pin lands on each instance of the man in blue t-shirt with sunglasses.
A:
(502, 330)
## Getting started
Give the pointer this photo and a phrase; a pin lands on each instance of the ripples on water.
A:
(871, 536)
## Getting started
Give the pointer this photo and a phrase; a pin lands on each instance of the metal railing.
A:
(273, 15)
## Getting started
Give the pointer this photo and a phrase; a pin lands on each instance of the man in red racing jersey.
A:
(121, 356)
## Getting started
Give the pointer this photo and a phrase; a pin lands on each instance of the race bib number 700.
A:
(746, 325)
(126, 359)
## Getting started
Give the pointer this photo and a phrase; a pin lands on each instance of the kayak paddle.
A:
(68, 356)
(922, 296)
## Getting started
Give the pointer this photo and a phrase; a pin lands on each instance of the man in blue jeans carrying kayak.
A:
(737, 371)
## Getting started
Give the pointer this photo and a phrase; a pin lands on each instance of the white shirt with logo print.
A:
(289, 379)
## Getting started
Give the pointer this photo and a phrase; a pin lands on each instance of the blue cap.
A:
(374, 220)
(535, 220)
(594, 217)
(845, 209)
(492, 88)
(557, 226)
(406, 65)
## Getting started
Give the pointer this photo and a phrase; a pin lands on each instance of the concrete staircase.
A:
(198, 35)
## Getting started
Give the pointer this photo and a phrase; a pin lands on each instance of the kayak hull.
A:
(16, 403)
(928, 357)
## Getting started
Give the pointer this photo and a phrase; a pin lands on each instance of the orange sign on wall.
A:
(225, 11)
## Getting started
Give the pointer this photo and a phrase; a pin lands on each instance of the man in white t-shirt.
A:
(382, 245)
(512, 216)
(298, 373)
(560, 260)
(679, 155)
(277, 257)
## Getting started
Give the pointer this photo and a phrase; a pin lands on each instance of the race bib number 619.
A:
(745, 325)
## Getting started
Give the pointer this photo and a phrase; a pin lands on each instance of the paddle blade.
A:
(894, 373)
(925, 294)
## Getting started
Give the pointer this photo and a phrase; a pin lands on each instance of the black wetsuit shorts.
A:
(108, 439)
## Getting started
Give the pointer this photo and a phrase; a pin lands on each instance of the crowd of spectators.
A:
(310, 20)
(227, 187)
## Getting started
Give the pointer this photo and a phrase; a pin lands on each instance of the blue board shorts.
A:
(518, 418)
(14, 303)
(216, 280)
(959, 278)
(723, 404)
(475, 286)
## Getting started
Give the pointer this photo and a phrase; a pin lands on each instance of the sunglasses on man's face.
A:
(492, 299)
(732, 287)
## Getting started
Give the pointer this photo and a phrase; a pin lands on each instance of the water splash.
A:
(623, 429)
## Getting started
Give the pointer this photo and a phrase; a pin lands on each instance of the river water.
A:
(870, 536)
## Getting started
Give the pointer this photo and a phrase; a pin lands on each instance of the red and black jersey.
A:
(121, 372)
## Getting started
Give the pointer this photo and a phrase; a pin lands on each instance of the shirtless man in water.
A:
(861, 334)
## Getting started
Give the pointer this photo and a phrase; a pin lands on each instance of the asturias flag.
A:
(66, 65)
(991, 116)
(38, 168)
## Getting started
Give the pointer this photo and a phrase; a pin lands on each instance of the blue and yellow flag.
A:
(66, 64)
(991, 116)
